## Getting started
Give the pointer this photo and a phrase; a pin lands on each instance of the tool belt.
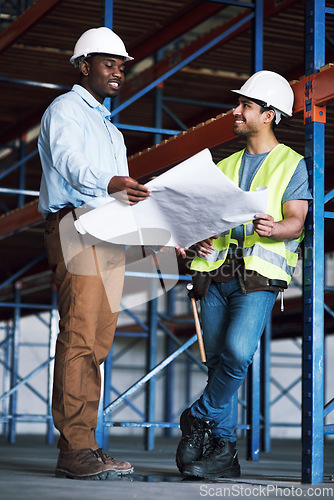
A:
(234, 267)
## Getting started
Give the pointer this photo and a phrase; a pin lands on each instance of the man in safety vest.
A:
(238, 274)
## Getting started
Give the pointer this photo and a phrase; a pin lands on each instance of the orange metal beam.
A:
(210, 134)
(25, 21)
(219, 130)
(19, 219)
(323, 88)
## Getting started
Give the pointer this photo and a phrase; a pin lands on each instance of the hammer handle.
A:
(198, 331)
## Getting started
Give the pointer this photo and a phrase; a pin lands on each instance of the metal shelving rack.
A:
(211, 135)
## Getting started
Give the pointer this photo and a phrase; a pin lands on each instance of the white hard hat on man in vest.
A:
(272, 90)
(98, 41)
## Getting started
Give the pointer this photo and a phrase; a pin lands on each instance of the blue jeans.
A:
(232, 324)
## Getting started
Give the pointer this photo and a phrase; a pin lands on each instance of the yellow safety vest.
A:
(270, 258)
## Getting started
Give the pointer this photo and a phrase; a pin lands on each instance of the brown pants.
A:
(89, 283)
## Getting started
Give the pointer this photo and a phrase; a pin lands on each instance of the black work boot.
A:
(220, 459)
(190, 447)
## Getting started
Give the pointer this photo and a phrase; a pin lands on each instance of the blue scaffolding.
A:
(257, 423)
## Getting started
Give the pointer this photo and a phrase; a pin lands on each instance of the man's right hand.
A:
(205, 247)
(127, 190)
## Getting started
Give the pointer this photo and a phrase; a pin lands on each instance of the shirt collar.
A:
(90, 100)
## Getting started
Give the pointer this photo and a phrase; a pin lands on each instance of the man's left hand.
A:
(289, 228)
(264, 225)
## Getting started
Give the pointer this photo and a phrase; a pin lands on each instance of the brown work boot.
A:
(121, 468)
(83, 464)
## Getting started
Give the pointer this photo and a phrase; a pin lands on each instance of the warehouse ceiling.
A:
(34, 59)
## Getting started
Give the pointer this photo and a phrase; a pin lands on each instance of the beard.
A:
(245, 130)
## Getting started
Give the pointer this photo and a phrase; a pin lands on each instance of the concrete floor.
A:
(27, 468)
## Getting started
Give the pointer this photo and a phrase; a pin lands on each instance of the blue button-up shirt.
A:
(80, 152)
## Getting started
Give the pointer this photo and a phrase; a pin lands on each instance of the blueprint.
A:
(190, 202)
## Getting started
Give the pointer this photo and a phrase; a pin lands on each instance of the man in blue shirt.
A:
(84, 164)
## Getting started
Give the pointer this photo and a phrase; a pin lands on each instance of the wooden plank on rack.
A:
(25, 21)
(210, 134)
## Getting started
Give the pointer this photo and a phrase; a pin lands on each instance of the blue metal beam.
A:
(329, 408)
(183, 63)
(25, 379)
(22, 305)
(253, 387)
(22, 271)
(329, 196)
(163, 425)
(28, 386)
(234, 2)
(18, 164)
(109, 14)
(152, 130)
(174, 117)
(20, 81)
(195, 102)
(257, 37)
(150, 374)
(253, 408)
(24, 192)
(314, 256)
(151, 361)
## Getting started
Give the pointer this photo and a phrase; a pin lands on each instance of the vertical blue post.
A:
(253, 408)
(253, 403)
(7, 376)
(151, 362)
(265, 377)
(101, 434)
(169, 370)
(108, 18)
(109, 22)
(52, 349)
(257, 37)
(107, 392)
(22, 172)
(99, 431)
(313, 291)
(158, 100)
(109, 13)
(14, 365)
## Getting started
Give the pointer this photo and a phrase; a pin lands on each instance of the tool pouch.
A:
(201, 282)
(251, 281)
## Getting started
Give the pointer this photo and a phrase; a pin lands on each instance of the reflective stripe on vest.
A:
(270, 258)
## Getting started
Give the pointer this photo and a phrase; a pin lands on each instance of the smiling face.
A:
(102, 75)
(248, 118)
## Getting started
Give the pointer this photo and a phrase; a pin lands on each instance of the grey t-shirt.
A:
(297, 189)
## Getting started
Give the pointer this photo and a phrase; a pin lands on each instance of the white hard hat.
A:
(270, 88)
(98, 40)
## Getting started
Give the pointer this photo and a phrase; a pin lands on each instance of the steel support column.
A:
(158, 103)
(313, 338)
(22, 172)
(253, 393)
(15, 343)
(150, 363)
(53, 332)
(265, 388)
